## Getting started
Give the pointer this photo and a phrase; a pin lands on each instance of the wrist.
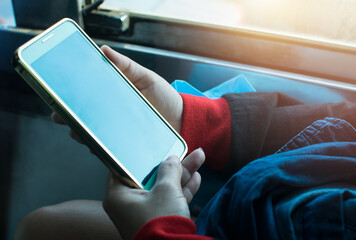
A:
(206, 123)
(166, 227)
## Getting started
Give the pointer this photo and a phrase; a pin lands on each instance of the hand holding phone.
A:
(130, 209)
(71, 74)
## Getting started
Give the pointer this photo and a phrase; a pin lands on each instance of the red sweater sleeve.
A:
(169, 227)
(207, 124)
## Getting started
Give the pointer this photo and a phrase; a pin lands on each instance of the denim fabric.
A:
(304, 191)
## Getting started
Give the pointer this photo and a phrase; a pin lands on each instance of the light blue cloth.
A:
(238, 84)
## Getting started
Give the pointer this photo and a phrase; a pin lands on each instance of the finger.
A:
(57, 119)
(121, 184)
(132, 70)
(75, 137)
(191, 164)
(170, 171)
(192, 187)
(113, 189)
(113, 181)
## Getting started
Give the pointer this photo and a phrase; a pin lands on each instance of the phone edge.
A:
(22, 69)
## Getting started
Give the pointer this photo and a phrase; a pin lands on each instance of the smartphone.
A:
(72, 75)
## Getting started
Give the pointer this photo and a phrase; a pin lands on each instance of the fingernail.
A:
(201, 149)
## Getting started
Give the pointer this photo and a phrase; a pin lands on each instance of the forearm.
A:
(239, 128)
(262, 122)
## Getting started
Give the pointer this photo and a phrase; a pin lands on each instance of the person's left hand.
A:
(176, 184)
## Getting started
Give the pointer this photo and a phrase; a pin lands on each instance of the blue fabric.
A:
(304, 191)
(238, 84)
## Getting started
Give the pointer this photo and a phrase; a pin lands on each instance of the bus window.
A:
(331, 20)
(7, 14)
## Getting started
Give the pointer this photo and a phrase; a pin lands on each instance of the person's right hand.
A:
(176, 184)
(157, 90)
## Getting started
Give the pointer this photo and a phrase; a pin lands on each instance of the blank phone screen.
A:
(104, 102)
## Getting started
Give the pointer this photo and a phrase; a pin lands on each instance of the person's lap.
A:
(77, 219)
(83, 218)
(305, 189)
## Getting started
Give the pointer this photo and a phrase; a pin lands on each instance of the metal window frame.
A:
(287, 53)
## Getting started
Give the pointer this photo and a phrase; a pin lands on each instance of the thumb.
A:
(170, 171)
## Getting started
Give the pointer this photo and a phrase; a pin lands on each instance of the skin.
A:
(130, 209)
(127, 209)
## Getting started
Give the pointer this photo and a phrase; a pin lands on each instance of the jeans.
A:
(306, 190)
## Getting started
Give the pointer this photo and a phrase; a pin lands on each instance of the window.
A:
(6, 13)
(327, 20)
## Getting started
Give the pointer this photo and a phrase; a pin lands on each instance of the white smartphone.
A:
(68, 70)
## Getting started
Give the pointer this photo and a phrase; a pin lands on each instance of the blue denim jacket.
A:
(304, 191)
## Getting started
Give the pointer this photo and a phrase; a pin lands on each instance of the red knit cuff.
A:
(168, 227)
(207, 124)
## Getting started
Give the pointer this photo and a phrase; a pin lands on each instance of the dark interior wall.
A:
(36, 14)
